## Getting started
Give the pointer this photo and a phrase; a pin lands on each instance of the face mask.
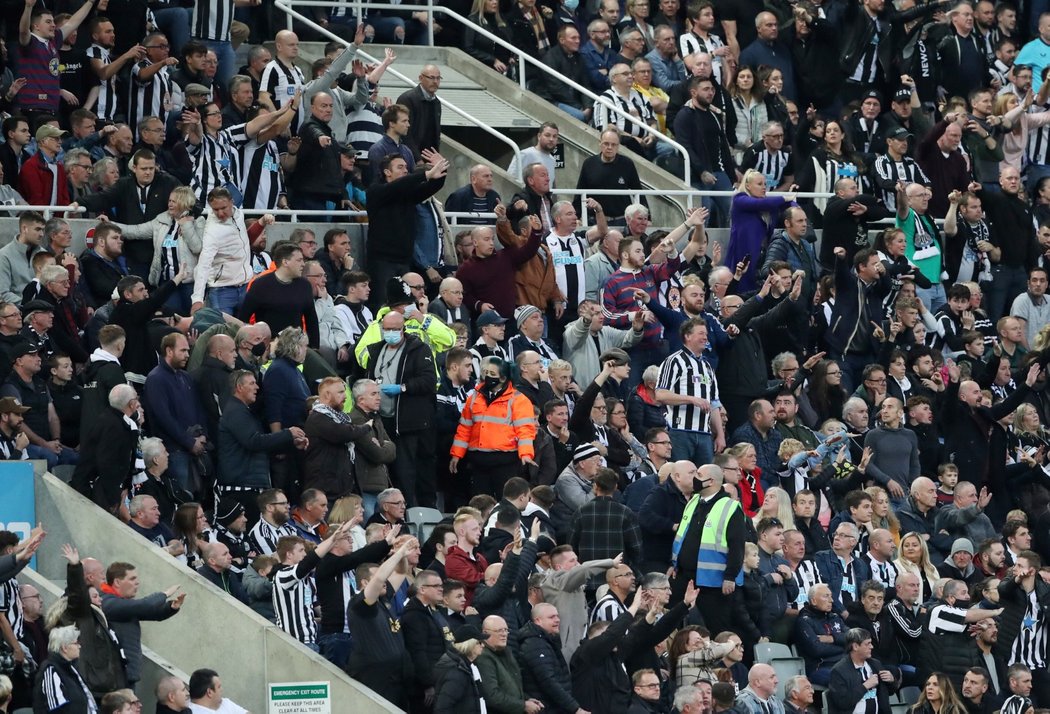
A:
(571, 5)
(410, 310)
(391, 337)
(491, 383)
(259, 350)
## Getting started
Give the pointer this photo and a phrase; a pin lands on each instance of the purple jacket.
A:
(749, 233)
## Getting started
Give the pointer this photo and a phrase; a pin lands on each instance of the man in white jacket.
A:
(225, 263)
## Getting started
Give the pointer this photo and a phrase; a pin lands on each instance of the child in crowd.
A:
(947, 477)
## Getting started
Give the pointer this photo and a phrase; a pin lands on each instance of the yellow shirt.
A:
(654, 91)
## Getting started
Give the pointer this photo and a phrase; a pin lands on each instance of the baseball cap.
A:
(23, 349)
(10, 405)
(902, 95)
(898, 133)
(872, 94)
(469, 632)
(490, 317)
(46, 131)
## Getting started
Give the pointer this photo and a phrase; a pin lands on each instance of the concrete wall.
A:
(212, 630)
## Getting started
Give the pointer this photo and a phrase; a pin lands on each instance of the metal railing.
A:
(292, 13)
(523, 59)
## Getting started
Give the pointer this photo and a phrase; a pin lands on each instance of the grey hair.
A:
(151, 447)
(54, 225)
(855, 636)
(237, 80)
(634, 209)
(53, 273)
(99, 170)
(360, 386)
(770, 126)
(952, 588)
(850, 526)
(288, 342)
(653, 580)
(137, 504)
(651, 373)
(719, 270)
(256, 52)
(61, 637)
(121, 395)
(627, 32)
(686, 695)
(386, 494)
(557, 208)
(70, 159)
(794, 684)
(781, 359)
(852, 404)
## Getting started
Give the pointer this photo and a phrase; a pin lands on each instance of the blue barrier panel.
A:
(18, 503)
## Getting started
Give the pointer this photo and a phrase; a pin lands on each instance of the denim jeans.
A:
(642, 357)
(335, 647)
(66, 456)
(179, 467)
(226, 299)
(719, 206)
(573, 111)
(695, 446)
(369, 504)
(1007, 283)
(175, 23)
(224, 52)
(387, 29)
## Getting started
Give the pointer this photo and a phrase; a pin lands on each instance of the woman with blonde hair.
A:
(1014, 113)
(750, 484)
(176, 237)
(345, 509)
(485, 14)
(938, 697)
(753, 216)
(882, 516)
(776, 504)
(457, 676)
(913, 556)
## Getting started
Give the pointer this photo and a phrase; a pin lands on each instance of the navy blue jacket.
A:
(172, 407)
(831, 573)
(663, 507)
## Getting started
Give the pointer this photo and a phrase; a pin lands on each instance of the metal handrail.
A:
(291, 12)
(523, 58)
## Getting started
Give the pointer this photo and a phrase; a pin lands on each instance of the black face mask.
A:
(259, 350)
(491, 383)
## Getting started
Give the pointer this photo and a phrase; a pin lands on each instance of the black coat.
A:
(98, 378)
(392, 215)
(123, 197)
(318, 169)
(425, 639)
(663, 507)
(415, 406)
(846, 688)
(212, 380)
(139, 354)
(599, 679)
(107, 458)
(100, 277)
(101, 661)
(457, 692)
(59, 673)
(973, 438)
(544, 672)
(227, 581)
(244, 447)
(1014, 601)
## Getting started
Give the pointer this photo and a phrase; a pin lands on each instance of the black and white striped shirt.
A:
(520, 343)
(212, 20)
(691, 43)
(1029, 647)
(480, 351)
(604, 115)
(150, 98)
(263, 536)
(11, 605)
(774, 165)
(806, 576)
(945, 618)
(1038, 150)
(216, 161)
(568, 253)
(888, 171)
(685, 374)
(261, 180)
(868, 64)
(1015, 704)
(355, 318)
(293, 599)
(884, 573)
(364, 127)
(281, 81)
(106, 106)
(607, 609)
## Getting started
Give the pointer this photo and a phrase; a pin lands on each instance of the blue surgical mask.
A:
(571, 5)
(410, 309)
(391, 337)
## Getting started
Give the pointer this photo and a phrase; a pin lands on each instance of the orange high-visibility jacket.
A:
(508, 424)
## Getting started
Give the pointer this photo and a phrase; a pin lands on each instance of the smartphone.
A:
(747, 260)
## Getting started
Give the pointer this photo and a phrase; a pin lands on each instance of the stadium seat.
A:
(908, 695)
(786, 667)
(423, 520)
(766, 652)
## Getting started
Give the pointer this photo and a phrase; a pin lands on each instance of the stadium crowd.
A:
(645, 459)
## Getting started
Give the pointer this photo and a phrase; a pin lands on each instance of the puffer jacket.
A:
(425, 639)
(809, 626)
(505, 425)
(457, 690)
(508, 597)
(544, 671)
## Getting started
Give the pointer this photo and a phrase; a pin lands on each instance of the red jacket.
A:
(35, 180)
(459, 565)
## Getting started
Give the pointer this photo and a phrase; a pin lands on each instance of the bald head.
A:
(224, 349)
(711, 477)
(492, 573)
(94, 573)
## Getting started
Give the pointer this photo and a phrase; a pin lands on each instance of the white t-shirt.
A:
(228, 706)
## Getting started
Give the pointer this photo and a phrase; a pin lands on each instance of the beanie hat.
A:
(523, 313)
(584, 452)
(227, 511)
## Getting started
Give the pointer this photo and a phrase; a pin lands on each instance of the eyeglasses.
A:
(602, 408)
(307, 242)
(158, 47)
(213, 114)
(417, 287)
(500, 631)
(846, 535)
(9, 315)
(82, 166)
(153, 128)
(431, 77)
(431, 585)
(396, 503)
(280, 503)
(876, 381)
(660, 443)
